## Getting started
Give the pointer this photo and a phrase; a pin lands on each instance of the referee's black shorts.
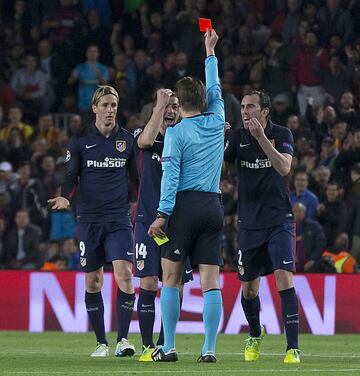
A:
(195, 229)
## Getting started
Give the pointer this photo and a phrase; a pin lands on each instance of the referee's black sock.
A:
(146, 313)
(124, 309)
(290, 311)
(252, 313)
(95, 309)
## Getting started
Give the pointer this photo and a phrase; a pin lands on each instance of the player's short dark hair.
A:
(191, 94)
(264, 99)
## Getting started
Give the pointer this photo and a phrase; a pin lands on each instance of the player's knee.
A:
(284, 279)
(171, 278)
(149, 283)
(94, 283)
(250, 290)
(123, 276)
(250, 294)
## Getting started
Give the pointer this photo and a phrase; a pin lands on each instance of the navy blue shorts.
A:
(263, 251)
(100, 243)
(148, 255)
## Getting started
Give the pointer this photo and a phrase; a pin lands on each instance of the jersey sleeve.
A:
(230, 146)
(171, 160)
(73, 164)
(214, 99)
(285, 143)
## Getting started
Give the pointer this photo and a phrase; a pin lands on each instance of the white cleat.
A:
(101, 351)
(124, 348)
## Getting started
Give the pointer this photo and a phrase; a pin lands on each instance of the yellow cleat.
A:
(292, 356)
(252, 346)
(146, 354)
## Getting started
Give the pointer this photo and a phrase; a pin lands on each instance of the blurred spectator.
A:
(97, 34)
(346, 159)
(332, 214)
(123, 69)
(2, 242)
(64, 23)
(180, 70)
(298, 130)
(75, 125)
(30, 85)
(7, 95)
(7, 177)
(310, 240)
(346, 110)
(46, 129)
(89, 74)
(19, 151)
(277, 71)
(329, 152)
(102, 7)
(336, 79)
(304, 196)
(291, 20)
(304, 81)
(70, 250)
(334, 19)
(320, 121)
(353, 229)
(53, 69)
(15, 117)
(22, 243)
(320, 182)
(232, 104)
(57, 262)
(280, 111)
(28, 194)
(49, 179)
(340, 255)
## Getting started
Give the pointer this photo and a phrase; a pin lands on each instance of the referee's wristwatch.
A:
(162, 215)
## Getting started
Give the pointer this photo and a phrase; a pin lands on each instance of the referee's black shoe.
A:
(208, 357)
(159, 355)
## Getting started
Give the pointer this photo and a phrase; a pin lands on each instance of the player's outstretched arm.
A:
(152, 128)
(59, 203)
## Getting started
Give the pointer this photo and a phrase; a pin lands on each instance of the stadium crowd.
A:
(305, 54)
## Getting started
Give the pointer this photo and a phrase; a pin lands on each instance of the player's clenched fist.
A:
(162, 98)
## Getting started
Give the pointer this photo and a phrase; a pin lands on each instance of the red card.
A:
(205, 23)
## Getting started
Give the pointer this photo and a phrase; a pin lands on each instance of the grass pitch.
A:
(56, 353)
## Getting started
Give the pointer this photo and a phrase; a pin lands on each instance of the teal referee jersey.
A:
(194, 148)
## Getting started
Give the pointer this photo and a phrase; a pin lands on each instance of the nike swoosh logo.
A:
(90, 146)
(243, 145)
(188, 271)
(287, 262)
(129, 253)
(295, 314)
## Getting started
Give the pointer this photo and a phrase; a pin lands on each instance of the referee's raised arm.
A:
(214, 100)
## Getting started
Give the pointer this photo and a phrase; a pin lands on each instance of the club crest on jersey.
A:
(120, 145)
(83, 261)
(140, 264)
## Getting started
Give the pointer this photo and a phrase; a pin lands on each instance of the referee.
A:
(190, 211)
